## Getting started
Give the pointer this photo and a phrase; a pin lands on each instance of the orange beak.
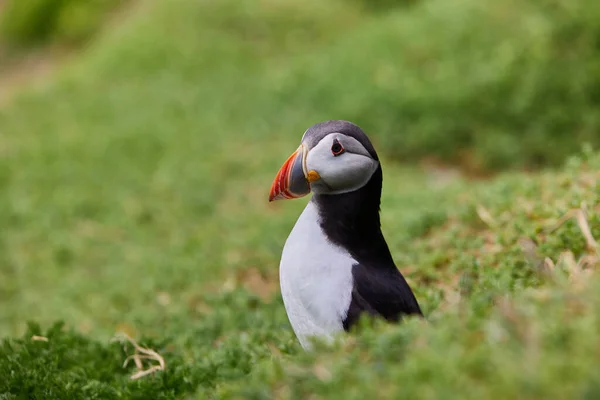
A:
(291, 182)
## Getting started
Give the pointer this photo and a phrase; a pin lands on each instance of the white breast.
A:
(316, 280)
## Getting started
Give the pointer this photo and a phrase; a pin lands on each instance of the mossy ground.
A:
(134, 199)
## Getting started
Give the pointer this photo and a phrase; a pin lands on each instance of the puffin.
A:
(336, 265)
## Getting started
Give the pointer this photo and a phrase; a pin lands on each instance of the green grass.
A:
(64, 22)
(134, 198)
(486, 84)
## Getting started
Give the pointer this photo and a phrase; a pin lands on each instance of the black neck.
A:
(351, 220)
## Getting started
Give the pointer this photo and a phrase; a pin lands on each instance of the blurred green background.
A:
(138, 141)
(489, 84)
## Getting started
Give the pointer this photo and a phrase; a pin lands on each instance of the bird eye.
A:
(337, 148)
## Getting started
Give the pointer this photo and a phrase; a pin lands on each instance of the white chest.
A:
(316, 279)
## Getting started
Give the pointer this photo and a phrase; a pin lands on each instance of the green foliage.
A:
(499, 325)
(383, 5)
(135, 187)
(40, 21)
(67, 365)
(487, 84)
(536, 345)
(60, 363)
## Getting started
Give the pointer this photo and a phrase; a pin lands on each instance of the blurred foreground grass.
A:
(134, 199)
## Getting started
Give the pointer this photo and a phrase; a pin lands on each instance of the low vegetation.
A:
(505, 275)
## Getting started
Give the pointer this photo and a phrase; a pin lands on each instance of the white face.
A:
(342, 163)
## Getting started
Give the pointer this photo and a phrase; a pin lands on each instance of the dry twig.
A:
(485, 216)
(580, 214)
(140, 354)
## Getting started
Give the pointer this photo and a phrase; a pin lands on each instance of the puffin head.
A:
(334, 157)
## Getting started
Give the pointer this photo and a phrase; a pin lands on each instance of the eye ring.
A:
(337, 148)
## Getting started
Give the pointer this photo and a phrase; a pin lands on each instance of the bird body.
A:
(335, 264)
